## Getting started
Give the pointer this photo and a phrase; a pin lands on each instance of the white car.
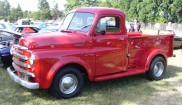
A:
(6, 26)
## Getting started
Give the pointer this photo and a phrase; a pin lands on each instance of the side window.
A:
(28, 30)
(2, 26)
(109, 24)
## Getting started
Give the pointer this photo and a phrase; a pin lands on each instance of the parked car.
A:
(8, 35)
(177, 42)
(49, 29)
(6, 57)
(5, 36)
(6, 26)
(5, 45)
(41, 24)
(90, 50)
(26, 29)
(8, 38)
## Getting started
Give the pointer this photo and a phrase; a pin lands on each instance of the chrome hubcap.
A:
(158, 69)
(68, 83)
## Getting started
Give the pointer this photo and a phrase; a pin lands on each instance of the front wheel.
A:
(67, 83)
(157, 69)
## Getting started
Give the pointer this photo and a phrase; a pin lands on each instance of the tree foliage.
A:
(145, 10)
(4, 10)
(44, 12)
(56, 13)
(73, 4)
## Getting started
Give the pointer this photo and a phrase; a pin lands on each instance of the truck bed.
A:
(141, 44)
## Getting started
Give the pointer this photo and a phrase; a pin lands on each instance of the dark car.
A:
(27, 29)
(6, 57)
(5, 45)
(6, 35)
(177, 42)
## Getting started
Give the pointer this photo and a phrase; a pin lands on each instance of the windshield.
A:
(78, 21)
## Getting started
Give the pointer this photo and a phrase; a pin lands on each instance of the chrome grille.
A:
(22, 70)
(20, 47)
(20, 56)
(21, 63)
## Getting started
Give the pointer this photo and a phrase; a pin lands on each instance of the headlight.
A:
(32, 59)
(11, 50)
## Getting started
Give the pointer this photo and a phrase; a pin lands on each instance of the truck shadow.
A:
(134, 89)
(118, 90)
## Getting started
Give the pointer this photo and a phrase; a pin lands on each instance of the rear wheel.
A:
(67, 83)
(157, 69)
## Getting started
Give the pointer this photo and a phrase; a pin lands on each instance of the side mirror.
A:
(102, 32)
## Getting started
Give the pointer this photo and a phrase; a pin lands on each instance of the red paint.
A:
(104, 57)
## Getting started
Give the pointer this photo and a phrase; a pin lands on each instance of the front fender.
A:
(59, 64)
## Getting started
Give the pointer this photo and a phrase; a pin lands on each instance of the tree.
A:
(55, 12)
(44, 10)
(6, 9)
(16, 13)
(73, 4)
(19, 12)
(1, 10)
(176, 10)
(43, 5)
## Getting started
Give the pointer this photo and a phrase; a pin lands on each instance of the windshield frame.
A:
(67, 26)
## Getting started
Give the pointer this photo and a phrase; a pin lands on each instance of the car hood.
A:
(53, 40)
(178, 38)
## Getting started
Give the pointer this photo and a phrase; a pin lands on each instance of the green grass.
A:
(133, 90)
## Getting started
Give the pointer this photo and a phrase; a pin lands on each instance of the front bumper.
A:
(21, 81)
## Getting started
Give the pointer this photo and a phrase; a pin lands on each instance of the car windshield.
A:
(78, 21)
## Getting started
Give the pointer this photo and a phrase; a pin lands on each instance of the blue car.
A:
(6, 57)
(5, 45)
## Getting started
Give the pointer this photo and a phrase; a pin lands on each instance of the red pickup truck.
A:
(92, 44)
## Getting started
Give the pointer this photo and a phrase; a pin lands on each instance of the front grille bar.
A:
(21, 47)
(21, 63)
(22, 70)
(20, 56)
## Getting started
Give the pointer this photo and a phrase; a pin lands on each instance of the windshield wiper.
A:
(84, 27)
(64, 30)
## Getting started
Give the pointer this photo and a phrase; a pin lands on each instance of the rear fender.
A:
(150, 55)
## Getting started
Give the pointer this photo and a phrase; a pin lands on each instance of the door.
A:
(111, 45)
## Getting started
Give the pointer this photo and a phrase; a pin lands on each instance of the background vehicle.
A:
(9, 37)
(6, 26)
(27, 29)
(177, 42)
(49, 29)
(93, 44)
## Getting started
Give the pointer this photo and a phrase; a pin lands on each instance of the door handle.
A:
(109, 43)
(121, 39)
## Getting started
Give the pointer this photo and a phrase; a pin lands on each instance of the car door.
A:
(111, 45)
(6, 36)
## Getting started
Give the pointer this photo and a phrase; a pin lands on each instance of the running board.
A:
(129, 72)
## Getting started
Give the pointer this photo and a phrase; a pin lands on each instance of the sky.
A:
(31, 5)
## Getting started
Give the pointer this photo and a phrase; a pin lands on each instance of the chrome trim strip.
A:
(21, 47)
(22, 70)
(27, 84)
(20, 56)
(21, 63)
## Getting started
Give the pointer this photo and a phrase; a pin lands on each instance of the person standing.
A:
(137, 25)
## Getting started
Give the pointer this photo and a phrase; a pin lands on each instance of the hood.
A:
(53, 40)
